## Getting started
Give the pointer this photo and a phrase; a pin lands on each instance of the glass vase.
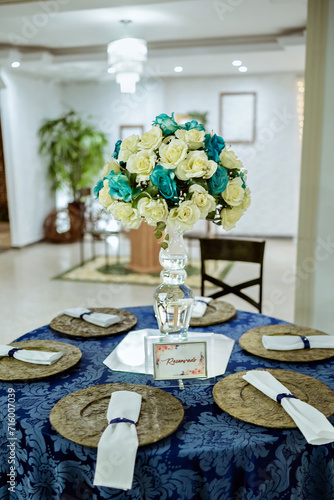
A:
(173, 300)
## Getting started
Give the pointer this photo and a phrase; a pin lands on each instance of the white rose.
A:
(197, 164)
(184, 216)
(151, 139)
(229, 159)
(194, 138)
(247, 200)
(111, 165)
(104, 195)
(142, 164)
(128, 147)
(172, 153)
(230, 216)
(154, 211)
(202, 199)
(234, 192)
(124, 212)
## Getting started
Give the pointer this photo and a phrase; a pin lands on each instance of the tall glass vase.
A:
(173, 300)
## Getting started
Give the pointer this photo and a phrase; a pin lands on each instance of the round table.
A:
(211, 456)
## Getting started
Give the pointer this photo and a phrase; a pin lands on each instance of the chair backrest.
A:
(237, 250)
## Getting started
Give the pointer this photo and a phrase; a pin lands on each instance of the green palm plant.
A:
(75, 152)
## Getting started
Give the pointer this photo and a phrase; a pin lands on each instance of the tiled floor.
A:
(30, 298)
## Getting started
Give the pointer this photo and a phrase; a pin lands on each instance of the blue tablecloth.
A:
(211, 456)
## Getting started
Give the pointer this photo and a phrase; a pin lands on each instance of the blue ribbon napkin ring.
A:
(83, 314)
(12, 351)
(279, 397)
(306, 342)
(121, 420)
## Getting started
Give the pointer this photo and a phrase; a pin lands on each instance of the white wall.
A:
(108, 109)
(25, 102)
(273, 162)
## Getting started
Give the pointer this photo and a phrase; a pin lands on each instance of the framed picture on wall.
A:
(126, 130)
(237, 117)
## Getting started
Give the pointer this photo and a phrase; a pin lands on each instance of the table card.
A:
(180, 360)
(170, 357)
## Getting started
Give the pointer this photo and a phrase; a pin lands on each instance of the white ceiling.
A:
(203, 36)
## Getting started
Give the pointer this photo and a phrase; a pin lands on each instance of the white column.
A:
(315, 257)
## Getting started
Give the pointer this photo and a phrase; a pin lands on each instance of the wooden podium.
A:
(145, 250)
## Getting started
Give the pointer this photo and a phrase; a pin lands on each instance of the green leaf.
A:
(151, 189)
(164, 245)
(161, 226)
(158, 234)
(166, 237)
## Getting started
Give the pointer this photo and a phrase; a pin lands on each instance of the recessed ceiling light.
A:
(178, 69)
(16, 64)
(237, 62)
(111, 70)
(243, 69)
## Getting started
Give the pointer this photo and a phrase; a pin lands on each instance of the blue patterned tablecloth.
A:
(211, 455)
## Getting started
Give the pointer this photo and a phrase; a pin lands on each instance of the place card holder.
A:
(171, 357)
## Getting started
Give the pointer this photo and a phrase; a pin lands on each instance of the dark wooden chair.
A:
(237, 250)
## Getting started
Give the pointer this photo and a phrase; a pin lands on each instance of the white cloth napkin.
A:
(311, 422)
(129, 355)
(99, 319)
(117, 448)
(290, 343)
(36, 357)
(199, 306)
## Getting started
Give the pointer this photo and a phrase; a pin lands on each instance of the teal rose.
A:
(119, 186)
(164, 179)
(214, 146)
(167, 123)
(117, 148)
(193, 125)
(218, 182)
(98, 188)
(241, 175)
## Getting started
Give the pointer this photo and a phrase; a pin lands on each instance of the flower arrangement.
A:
(176, 175)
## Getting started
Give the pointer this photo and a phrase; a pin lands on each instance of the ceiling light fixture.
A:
(237, 62)
(126, 58)
(243, 69)
(16, 64)
(178, 69)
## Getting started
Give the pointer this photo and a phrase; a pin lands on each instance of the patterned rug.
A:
(97, 271)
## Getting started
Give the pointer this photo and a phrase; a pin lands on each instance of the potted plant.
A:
(75, 152)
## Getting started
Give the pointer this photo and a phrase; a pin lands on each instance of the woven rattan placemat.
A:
(216, 312)
(243, 401)
(251, 341)
(77, 327)
(82, 416)
(12, 369)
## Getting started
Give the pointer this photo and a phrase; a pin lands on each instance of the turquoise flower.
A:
(98, 188)
(167, 123)
(164, 179)
(116, 150)
(214, 146)
(193, 124)
(241, 175)
(218, 182)
(119, 187)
